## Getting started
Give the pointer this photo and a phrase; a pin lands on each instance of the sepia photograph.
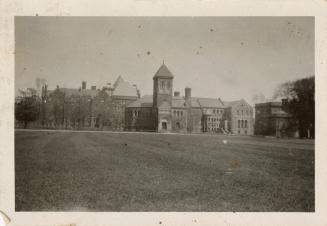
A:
(164, 114)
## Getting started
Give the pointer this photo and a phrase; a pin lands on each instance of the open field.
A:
(99, 171)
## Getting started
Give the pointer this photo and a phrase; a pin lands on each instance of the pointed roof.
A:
(118, 81)
(163, 72)
(125, 89)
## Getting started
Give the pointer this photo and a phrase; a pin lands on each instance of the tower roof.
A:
(163, 72)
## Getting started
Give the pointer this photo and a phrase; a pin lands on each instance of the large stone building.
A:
(271, 119)
(166, 112)
(87, 108)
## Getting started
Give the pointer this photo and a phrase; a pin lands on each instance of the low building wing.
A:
(145, 101)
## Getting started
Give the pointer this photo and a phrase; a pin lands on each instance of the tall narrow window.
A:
(246, 123)
(162, 84)
(238, 123)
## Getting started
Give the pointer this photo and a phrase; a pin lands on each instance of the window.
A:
(246, 132)
(181, 113)
(246, 124)
(242, 123)
(162, 84)
(238, 112)
(238, 123)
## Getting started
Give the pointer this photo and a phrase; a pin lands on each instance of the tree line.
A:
(299, 101)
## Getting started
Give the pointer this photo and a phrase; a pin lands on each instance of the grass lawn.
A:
(95, 171)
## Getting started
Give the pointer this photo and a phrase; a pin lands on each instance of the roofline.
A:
(155, 77)
(130, 97)
(276, 103)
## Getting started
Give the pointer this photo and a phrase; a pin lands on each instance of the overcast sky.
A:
(226, 57)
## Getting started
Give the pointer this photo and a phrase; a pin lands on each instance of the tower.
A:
(162, 99)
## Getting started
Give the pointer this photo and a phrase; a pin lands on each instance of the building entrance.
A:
(164, 125)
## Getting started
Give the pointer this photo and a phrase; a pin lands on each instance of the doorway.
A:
(164, 125)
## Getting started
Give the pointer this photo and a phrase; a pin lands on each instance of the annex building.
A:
(272, 119)
(168, 111)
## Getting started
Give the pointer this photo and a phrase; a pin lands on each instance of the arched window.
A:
(178, 125)
(246, 123)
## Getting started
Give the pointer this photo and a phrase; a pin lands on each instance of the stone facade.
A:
(239, 116)
(93, 108)
(165, 112)
(120, 107)
(272, 120)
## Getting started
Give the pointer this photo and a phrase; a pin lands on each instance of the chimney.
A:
(93, 87)
(188, 94)
(176, 94)
(83, 85)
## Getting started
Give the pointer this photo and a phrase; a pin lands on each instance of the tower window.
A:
(162, 84)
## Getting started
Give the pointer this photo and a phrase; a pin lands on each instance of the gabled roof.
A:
(235, 103)
(118, 81)
(163, 72)
(122, 88)
(210, 102)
